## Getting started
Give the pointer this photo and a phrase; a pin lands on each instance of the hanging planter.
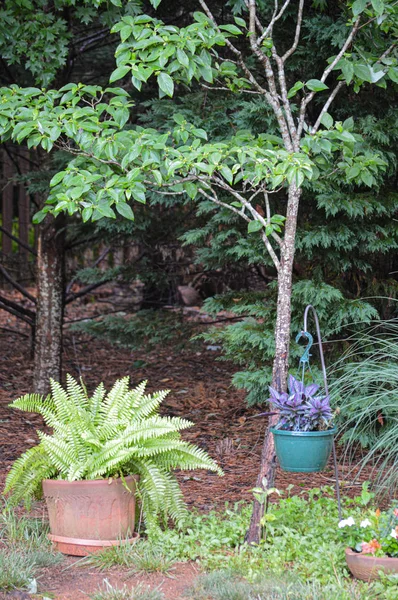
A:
(303, 451)
(304, 434)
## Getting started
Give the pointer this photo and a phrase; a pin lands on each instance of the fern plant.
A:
(106, 435)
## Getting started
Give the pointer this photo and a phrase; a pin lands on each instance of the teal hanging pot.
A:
(303, 451)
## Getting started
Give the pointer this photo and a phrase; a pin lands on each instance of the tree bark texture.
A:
(50, 303)
(281, 359)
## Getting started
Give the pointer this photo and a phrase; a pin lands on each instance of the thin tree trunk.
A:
(281, 360)
(24, 220)
(50, 303)
(7, 203)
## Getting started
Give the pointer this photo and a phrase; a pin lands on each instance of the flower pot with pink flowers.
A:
(372, 543)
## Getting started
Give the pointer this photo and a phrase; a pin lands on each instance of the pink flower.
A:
(370, 547)
(396, 512)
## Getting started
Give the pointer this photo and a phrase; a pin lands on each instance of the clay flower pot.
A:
(366, 567)
(86, 516)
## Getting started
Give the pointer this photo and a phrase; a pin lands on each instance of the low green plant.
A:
(227, 585)
(149, 558)
(112, 434)
(16, 529)
(16, 569)
(139, 592)
(27, 537)
(142, 557)
(119, 555)
(302, 536)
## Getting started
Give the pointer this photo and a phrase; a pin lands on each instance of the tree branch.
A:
(14, 312)
(327, 104)
(237, 52)
(16, 285)
(31, 250)
(272, 96)
(18, 308)
(298, 31)
(255, 214)
(86, 290)
(275, 17)
(307, 99)
(268, 213)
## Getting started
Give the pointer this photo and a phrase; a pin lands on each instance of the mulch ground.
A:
(200, 391)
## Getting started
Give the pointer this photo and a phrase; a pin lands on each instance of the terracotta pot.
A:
(86, 516)
(366, 567)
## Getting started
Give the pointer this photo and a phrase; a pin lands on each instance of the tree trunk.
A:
(50, 303)
(24, 219)
(281, 359)
(7, 203)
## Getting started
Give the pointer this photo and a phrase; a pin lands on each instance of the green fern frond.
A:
(36, 403)
(108, 435)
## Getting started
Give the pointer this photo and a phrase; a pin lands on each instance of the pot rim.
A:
(367, 557)
(90, 481)
(286, 432)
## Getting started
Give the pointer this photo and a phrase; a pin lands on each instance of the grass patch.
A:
(141, 557)
(138, 592)
(224, 585)
(26, 549)
(16, 569)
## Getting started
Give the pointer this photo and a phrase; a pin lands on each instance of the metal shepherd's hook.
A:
(305, 359)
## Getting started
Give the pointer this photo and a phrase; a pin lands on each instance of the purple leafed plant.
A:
(300, 409)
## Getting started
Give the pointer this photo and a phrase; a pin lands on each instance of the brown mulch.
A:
(200, 391)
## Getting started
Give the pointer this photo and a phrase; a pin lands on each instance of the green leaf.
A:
(315, 85)
(358, 7)
(254, 226)
(231, 29)
(86, 213)
(125, 32)
(375, 76)
(378, 6)
(155, 3)
(39, 216)
(293, 90)
(119, 73)
(125, 210)
(57, 178)
(191, 189)
(182, 58)
(239, 21)
(393, 74)
(347, 68)
(353, 172)
(200, 133)
(367, 178)
(362, 72)
(227, 174)
(105, 210)
(166, 84)
(348, 124)
(327, 120)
